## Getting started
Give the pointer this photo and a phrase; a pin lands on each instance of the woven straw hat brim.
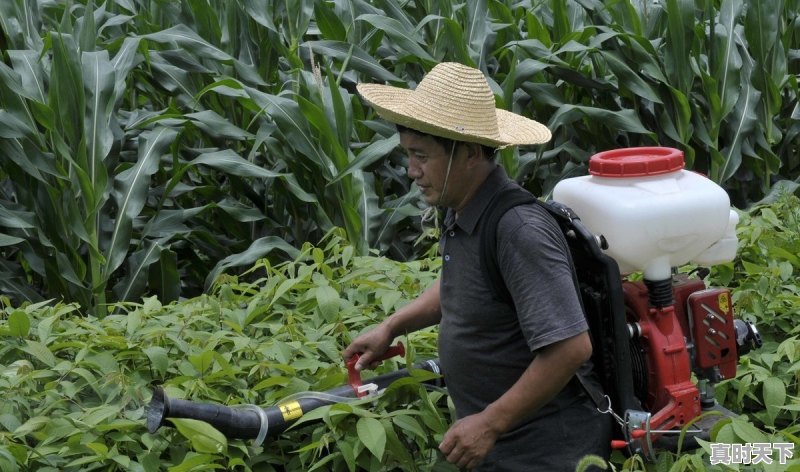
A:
(396, 105)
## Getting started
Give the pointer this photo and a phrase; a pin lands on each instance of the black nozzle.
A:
(243, 423)
(157, 410)
(747, 336)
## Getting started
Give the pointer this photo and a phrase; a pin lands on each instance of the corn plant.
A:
(141, 164)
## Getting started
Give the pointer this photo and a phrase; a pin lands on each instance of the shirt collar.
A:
(473, 210)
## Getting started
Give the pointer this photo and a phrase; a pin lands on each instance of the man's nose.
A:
(414, 171)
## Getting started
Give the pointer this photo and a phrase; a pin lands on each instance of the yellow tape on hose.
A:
(290, 411)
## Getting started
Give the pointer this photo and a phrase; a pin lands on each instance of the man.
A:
(508, 366)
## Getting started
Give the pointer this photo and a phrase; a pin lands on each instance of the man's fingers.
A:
(455, 456)
(446, 446)
(363, 361)
(348, 353)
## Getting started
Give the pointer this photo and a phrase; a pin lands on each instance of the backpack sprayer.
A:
(650, 215)
(639, 211)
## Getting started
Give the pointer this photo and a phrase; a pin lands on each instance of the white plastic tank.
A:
(654, 214)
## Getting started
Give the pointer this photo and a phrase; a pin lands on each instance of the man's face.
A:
(427, 166)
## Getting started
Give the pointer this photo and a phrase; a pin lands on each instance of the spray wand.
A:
(254, 422)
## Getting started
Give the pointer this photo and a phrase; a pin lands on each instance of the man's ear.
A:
(473, 150)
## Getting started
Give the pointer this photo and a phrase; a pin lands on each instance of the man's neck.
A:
(477, 177)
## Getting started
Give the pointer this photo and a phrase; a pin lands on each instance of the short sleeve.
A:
(533, 259)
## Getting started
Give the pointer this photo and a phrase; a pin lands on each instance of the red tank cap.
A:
(636, 162)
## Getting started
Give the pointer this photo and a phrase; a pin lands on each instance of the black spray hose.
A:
(253, 422)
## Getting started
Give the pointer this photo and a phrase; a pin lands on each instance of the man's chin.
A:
(430, 200)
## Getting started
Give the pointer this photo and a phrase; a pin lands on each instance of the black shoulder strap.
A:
(501, 202)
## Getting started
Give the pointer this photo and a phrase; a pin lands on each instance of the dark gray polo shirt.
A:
(484, 344)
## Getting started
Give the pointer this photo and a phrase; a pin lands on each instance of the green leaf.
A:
(401, 37)
(259, 11)
(131, 191)
(408, 423)
(123, 63)
(680, 28)
(32, 425)
(628, 79)
(328, 302)
(728, 67)
(328, 23)
(346, 448)
(324, 132)
(6, 240)
(202, 362)
(217, 126)
(357, 58)
(195, 462)
(132, 285)
(167, 278)
(746, 432)
(98, 74)
(614, 119)
(159, 358)
(294, 125)
(204, 437)
(258, 249)
(774, 396)
(66, 93)
(40, 352)
(230, 162)
(372, 435)
(188, 39)
(297, 190)
(19, 324)
(16, 219)
(8, 462)
(369, 155)
(94, 416)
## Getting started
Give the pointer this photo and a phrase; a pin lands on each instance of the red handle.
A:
(354, 376)
(619, 444)
(622, 444)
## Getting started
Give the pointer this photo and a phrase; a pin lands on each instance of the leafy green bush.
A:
(142, 158)
(74, 387)
(764, 279)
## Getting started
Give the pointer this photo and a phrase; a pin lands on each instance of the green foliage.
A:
(141, 157)
(763, 278)
(765, 273)
(74, 387)
(145, 158)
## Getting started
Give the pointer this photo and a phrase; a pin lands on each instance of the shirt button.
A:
(452, 233)
(447, 257)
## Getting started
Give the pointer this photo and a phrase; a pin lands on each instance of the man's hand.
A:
(371, 345)
(468, 441)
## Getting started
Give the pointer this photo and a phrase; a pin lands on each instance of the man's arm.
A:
(472, 437)
(422, 312)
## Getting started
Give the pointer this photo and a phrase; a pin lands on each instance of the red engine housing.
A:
(694, 333)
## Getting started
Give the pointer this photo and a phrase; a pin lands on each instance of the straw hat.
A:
(454, 101)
